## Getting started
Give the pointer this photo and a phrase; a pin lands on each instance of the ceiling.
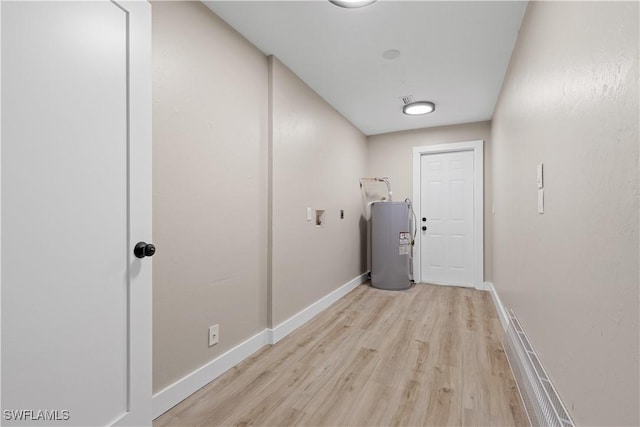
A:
(452, 53)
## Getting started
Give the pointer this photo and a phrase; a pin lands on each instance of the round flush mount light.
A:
(419, 107)
(352, 4)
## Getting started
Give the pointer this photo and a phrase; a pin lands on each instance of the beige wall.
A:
(391, 155)
(210, 110)
(570, 100)
(234, 249)
(318, 157)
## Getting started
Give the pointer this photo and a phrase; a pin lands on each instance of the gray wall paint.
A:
(570, 100)
(318, 157)
(391, 155)
(210, 112)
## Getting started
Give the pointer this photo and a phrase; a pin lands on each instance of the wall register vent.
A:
(540, 398)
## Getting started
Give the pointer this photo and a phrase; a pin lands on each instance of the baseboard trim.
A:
(294, 322)
(189, 384)
(186, 386)
(502, 312)
(483, 286)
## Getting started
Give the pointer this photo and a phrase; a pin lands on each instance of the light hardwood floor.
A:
(429, 356)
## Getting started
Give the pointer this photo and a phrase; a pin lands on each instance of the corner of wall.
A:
(271, 60)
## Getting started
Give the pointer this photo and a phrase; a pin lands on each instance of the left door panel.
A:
(67, 270)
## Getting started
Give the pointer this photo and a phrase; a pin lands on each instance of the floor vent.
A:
(540, 398)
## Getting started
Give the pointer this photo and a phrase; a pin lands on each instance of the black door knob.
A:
(424, 228)
(143, 249)
(424, 219)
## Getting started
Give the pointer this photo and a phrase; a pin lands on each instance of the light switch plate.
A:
(541, 200)
(540, 176)
(309, 214)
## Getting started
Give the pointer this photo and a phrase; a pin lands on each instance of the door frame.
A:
(139, 146)
(477, 147)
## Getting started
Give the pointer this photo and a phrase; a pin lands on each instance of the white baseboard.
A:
(294, 322)
(502, 312)
(483, 286)
(186, 386)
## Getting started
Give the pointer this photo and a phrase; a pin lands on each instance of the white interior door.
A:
(75, 163)
(447, 218)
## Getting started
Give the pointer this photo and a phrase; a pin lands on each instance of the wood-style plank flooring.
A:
(429, 356)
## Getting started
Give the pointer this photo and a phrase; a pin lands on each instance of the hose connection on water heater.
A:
(415, 220)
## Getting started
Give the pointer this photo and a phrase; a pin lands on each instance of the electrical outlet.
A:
(214, 335)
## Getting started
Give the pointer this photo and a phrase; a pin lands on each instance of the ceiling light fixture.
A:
(352, 4)
(419, 107)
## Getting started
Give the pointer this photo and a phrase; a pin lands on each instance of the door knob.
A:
(424, 219)
(143, 249)
(424, 228)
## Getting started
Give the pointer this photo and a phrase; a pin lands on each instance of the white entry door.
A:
(76, 198)
(447, 218)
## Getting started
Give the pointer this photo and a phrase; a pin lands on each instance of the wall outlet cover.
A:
(214, 335)
(541, 200)
(540, 176)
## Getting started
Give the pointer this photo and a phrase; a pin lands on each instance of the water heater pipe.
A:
(383, 179)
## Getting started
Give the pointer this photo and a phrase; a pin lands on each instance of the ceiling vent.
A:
(406, 100)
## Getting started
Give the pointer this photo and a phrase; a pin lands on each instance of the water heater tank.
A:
(390, 245)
